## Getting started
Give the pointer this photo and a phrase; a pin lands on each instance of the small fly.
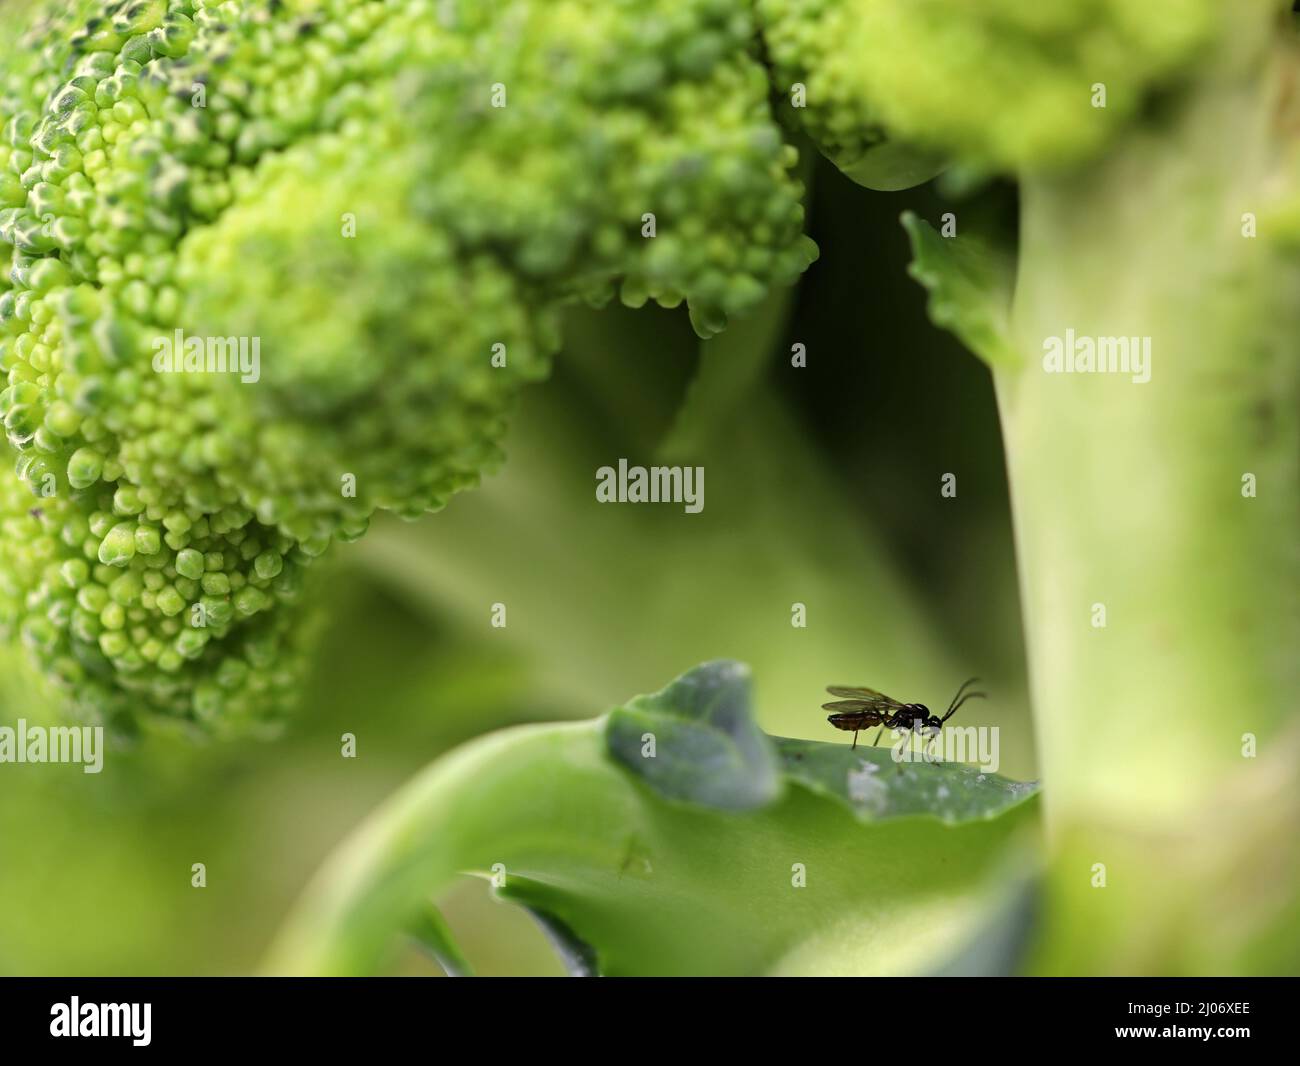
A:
(863, 708)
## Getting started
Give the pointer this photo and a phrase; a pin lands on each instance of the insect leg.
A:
(887, 722)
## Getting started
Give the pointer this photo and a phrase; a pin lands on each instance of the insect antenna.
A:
(959, 699)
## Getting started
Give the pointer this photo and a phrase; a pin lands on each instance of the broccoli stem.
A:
(1131, 496)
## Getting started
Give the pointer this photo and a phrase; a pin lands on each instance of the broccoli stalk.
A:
(1174, 504)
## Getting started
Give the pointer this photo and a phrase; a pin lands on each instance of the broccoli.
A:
(397, 200)
(394, 200)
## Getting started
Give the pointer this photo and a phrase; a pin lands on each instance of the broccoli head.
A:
(387, 203)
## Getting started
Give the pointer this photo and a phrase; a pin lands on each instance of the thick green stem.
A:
(1129, 497)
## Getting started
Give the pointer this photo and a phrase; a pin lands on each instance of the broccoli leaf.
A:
(891, 166)
(696, 740)
(970, 283)
(872, 785)
(644, 873)
(429, 930)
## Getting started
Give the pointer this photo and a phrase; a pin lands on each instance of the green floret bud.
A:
(250, 599)
(118, 546)
(114, 643)
(127, 501)
(268, 565)
(39, 633)
(93, 598)
(62, 420)
(85, 468)
(169, 601)
(125, 590)
(217, 611)
(215, 584)
(147, 540)
(189, 563)
(75, 572)
(191, 642)
(177, 522)
(170, 660)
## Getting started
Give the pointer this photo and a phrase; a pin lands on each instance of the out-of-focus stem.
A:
(1128, 497)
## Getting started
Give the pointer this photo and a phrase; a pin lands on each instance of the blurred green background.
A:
(822, 487)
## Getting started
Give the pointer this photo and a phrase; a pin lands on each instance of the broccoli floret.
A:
(393, 198)
(1000, 84)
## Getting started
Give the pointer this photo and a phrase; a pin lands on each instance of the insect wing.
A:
(851, 706)
(869, 696)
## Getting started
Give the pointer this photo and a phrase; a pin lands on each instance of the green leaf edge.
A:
(970, 283)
